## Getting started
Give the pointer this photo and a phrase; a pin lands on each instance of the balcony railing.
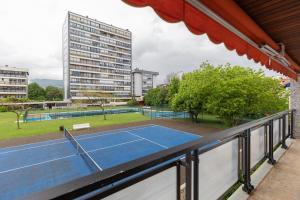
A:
(212, 166)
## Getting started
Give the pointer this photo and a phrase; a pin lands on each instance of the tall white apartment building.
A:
(13, 82)
(96, 58)
(143, 81)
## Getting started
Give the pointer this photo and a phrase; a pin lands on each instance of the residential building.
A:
(13, 82)
(143, 81)
(96, 58)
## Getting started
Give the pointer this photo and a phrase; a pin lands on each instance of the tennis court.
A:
(34, 167)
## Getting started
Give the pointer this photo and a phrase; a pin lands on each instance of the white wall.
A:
(137, 88)
(154, 81)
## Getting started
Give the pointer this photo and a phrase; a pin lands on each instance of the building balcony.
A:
(224, 165)
(282, 181)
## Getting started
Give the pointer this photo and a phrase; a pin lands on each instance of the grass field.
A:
(8, 126)
(70, 109)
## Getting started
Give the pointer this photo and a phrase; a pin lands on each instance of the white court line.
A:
(79, 139)
(28, 144)
(177, 130)
(165, 147)
(116, 145)
(40, 163)
(44, 162)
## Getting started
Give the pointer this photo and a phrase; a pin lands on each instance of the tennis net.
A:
(83, 153)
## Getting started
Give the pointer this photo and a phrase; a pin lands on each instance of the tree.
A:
(194, 90)
(156, 97)
(173, 88)
(18, 110)
(244, 93)
(36, 92)
(234, 93)
(132, 102)
(95, 97)
(53, 93)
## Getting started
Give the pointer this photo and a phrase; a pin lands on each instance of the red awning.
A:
(199, 22)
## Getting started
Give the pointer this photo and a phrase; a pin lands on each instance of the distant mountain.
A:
(47, 82)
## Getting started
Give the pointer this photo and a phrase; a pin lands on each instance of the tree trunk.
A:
(18, 121)
(104, 115)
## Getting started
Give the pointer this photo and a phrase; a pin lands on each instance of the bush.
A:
(3, 109)
(132, 102)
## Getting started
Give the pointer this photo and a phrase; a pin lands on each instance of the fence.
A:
(227, 157)
(153, 114)
(165, 114)
(64, 115)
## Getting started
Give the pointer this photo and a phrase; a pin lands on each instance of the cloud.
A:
(31, 37)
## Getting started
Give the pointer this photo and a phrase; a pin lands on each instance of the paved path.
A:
(283, 181)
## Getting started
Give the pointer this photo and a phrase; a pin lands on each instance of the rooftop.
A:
(14, 69)
(137, 70)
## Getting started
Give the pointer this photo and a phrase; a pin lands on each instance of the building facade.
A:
(96, 58)
(13, 82)
(143, 81)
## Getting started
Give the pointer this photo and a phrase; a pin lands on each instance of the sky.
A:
(31, 37)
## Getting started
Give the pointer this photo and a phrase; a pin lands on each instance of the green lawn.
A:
(74, 109)
(211, 120)
(8, 126)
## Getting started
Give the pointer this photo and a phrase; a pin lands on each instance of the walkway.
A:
(283, 181)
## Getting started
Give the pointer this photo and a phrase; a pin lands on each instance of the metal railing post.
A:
(246, 161)
(266, 140)
(188, 177)
(292, 124)
(178, 180)
(283, 144)
(196, 174)
(270, 153)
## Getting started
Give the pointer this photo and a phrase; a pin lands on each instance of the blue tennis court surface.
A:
(34, 167)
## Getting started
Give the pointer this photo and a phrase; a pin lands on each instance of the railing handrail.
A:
(97, 180)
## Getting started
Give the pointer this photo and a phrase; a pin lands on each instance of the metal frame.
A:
(283, 139)
(270, 152)
(203, 8)
(246, 161)
(118, 177)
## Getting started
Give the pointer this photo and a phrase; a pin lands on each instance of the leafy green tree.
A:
(95, 98)
(132, 102)
(13, 100)
(244, 93)
(194, 90)
(173, 88)
(18, 110)
(233, 93)
(36, 92)
(156, 97)
(53, 93)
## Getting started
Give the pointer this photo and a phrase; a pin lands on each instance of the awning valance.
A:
(199, 22)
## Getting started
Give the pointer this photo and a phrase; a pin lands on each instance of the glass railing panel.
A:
(161, 186)
(218, 170)
(257, 145)
(276, 132)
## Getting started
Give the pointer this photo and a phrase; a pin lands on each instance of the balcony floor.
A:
(283, 181)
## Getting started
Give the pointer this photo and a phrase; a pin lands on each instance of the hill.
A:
(47, 82)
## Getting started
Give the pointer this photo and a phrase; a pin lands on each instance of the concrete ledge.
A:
(260, 173)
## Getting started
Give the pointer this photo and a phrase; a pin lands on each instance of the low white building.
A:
(143, 81)
(13, 82)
